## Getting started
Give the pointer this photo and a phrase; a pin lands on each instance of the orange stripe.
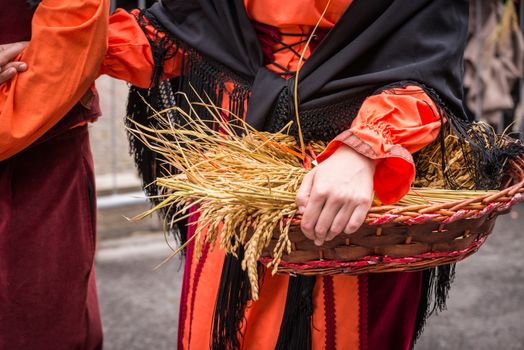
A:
(346, 309)
(318, 329)
(201, 318)
(348, 312)
(265, 315)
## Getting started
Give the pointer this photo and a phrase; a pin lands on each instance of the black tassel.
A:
(139, 112)
(233, 296)
(489, 153)
(436, 283)
(295, 329)
(486, 154)
(148, 163)
(445, 277)
(423, 307)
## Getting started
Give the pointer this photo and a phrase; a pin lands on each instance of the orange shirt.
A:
(388, 128)
(63, 59)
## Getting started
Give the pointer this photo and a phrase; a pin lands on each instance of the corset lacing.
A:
(270, 37)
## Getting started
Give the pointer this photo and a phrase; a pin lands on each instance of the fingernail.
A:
(23, 66)
(318, 242)
(301, 209)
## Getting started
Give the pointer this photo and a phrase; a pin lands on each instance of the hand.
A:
(336, 195)
(9, 69)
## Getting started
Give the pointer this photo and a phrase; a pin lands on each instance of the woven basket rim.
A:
(447, 212)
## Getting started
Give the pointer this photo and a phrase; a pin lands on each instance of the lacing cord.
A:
(289, 47)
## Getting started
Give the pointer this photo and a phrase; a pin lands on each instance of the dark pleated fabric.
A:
(392, 304)
(48, 294)
(15, 21)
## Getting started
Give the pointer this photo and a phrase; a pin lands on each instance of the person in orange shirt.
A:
(378, 80)
(48, 297)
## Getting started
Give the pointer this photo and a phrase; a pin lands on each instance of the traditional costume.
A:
(48, 297)
(380, 77)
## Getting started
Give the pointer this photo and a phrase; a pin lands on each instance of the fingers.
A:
(8, 71)
(358, 216)
(340, 222)
(305, 190)
(19, 66)
(336, 195)
(9, 51)
(330, 211)
(326, 218)
(312, 212)
(7, 74)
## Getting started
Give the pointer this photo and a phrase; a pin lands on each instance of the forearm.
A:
(389, 127)
(68, 44)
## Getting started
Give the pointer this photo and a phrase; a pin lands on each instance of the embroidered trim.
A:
(362, 147)
(182, 315)
(198, 273)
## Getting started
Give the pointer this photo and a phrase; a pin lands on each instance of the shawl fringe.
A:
(233, 296)
(295, 329)
(436, 283)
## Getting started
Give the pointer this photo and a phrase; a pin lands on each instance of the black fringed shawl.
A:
(376, 44)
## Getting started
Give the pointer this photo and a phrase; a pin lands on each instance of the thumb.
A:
(305, 190)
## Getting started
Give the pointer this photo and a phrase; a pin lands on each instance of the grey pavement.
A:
(139, 305)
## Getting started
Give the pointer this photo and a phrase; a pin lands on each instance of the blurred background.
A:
(486, 306)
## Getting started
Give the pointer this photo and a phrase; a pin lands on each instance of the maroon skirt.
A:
(48, 297)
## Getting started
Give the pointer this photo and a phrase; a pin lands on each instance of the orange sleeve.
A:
(67, 47)
(388, 128)
(129, 56)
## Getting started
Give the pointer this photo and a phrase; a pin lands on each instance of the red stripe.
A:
(363, 310)
(183, 297)
(198, 272)
(182, 315)
(330, 341)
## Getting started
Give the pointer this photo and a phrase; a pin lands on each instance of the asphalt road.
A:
(485, 310)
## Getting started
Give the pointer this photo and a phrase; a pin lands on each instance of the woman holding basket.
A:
(375, 79)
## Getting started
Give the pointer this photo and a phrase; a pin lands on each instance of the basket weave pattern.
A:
(395, 238)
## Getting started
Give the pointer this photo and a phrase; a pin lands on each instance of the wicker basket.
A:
(395, 238)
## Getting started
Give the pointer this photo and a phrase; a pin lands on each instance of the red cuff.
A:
(395, 168)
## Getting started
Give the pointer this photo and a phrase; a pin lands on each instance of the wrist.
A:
(345, 152)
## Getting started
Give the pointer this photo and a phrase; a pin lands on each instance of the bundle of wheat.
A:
(244, 183)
